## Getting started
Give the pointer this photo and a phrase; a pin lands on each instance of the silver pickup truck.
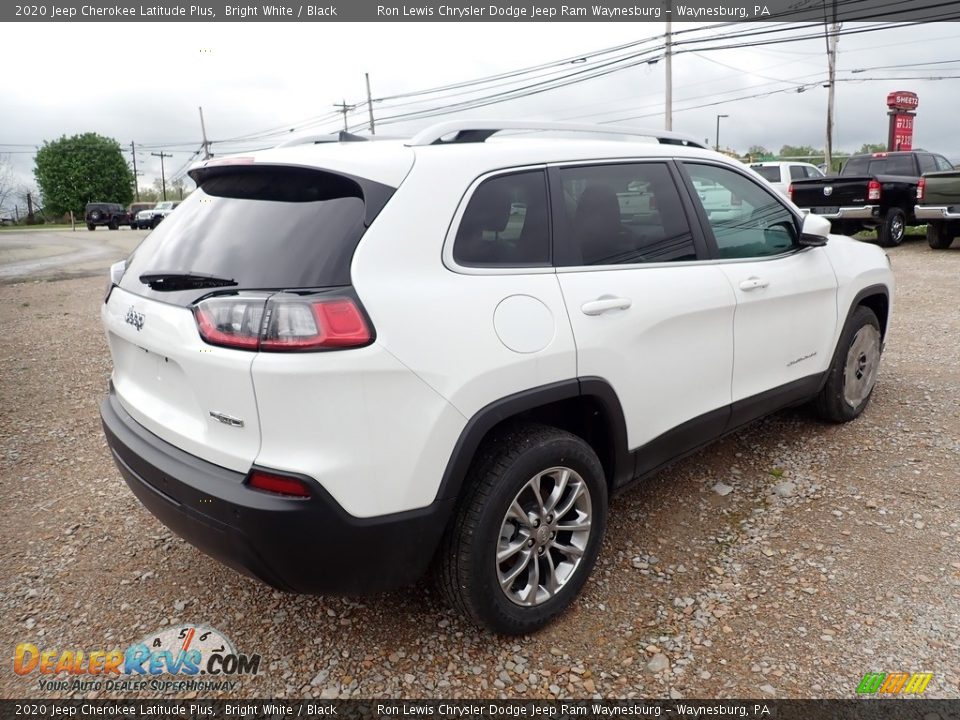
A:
(938, 203)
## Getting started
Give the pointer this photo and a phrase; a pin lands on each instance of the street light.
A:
(717, 148)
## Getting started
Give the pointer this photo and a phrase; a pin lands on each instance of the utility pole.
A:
(717, 147)
(668, 57)
(344, 108)
(206, 143)
(832, 71)
(29, 209)
(373, 130)
(163, 176)
(136, 184)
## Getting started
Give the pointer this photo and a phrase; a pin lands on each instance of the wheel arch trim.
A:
(503, 409)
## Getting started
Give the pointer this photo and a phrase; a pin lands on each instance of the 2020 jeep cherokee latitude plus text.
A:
(338, 362)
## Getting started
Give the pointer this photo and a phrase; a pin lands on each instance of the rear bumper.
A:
(935, 212)
(859, 212)
(306, 545)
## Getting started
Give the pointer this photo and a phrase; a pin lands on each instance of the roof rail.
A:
(467, 131)
(341, 136)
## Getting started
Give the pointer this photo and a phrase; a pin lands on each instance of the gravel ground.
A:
(785, 561)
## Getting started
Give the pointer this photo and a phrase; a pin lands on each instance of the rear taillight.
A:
(278, 484)
(873, 190)
(921, 188)
(790, 192)
(283, 322)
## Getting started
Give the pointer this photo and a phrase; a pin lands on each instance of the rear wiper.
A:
(171, 281)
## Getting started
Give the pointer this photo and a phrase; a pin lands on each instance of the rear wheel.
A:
(853, 372)
(939, 235)
(91, 226)
(894, 227)
(528, 531)
(113, 225)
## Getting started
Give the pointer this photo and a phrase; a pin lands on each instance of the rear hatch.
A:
(247, 234)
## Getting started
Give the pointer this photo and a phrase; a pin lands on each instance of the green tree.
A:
(868, 148)
(799, 151)
(758, 151)
(84, 168)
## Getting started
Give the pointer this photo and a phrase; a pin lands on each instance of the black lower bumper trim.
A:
(300, 545)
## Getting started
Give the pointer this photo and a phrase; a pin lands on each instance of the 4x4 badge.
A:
(134, 318)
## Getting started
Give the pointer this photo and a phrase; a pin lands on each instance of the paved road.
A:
(48, 254)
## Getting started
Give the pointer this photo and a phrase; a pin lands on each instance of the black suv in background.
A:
(112, 215)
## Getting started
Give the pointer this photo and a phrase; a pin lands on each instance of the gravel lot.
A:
(786, 561)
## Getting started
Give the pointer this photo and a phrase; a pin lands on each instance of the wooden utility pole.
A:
(136, 184)
(373, 130)
(163, 175)
(29, 209)
(832, 71)
(344, 108)
(206, 143)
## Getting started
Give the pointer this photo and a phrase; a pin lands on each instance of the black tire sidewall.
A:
(938, 236)
(861, 317)
(885, 235)
(497, 611)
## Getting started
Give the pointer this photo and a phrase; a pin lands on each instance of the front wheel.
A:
(939, 236)
(893, 229)
(528, 531)
(853, 372)
(91, 226)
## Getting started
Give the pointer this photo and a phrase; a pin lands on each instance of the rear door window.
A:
(623, 214)
(264, 228)
(771, 173)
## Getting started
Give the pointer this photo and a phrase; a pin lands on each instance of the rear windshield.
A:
(890, 165)
(264, 228)
(768, 172)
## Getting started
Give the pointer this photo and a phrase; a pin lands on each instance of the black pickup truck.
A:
(874, 191)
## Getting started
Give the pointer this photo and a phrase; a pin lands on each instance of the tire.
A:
(133, 226)
(939, 235)
(154, 222)
(502, 475)
(113, 226)
(91, 226)
(893, 229)
(853, 371)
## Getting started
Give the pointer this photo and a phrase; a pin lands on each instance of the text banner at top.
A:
(704, 11)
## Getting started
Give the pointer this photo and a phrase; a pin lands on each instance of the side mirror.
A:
(815, 231)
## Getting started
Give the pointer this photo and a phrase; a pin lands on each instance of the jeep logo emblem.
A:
(134, 318)
(828, 190)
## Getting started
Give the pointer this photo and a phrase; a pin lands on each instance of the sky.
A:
(144, 82)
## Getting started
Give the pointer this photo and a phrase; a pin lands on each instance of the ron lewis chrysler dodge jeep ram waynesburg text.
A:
(341, 362)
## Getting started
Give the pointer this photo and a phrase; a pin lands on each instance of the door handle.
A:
(753, 283)
(604, 304)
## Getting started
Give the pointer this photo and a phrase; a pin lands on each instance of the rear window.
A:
(770, 173)
(890, 165)
(264, 228)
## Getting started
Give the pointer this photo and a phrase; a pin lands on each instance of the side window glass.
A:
(943, 163)
(624, 214)
(798, 172)
(506, 223)
(927, 163)
(746, 220)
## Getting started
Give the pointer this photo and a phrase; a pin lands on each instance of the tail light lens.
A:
(278, 484)
(921, 188)
(790, 192)
(873, 190)
(283, 322)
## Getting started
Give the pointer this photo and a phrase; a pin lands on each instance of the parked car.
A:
(291, 395)
(135, 209)
(938, 205)
(878, 190)
(112, 215)
(781, 174)
(155, 214)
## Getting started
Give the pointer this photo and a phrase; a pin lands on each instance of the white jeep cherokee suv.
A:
(339, 362)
